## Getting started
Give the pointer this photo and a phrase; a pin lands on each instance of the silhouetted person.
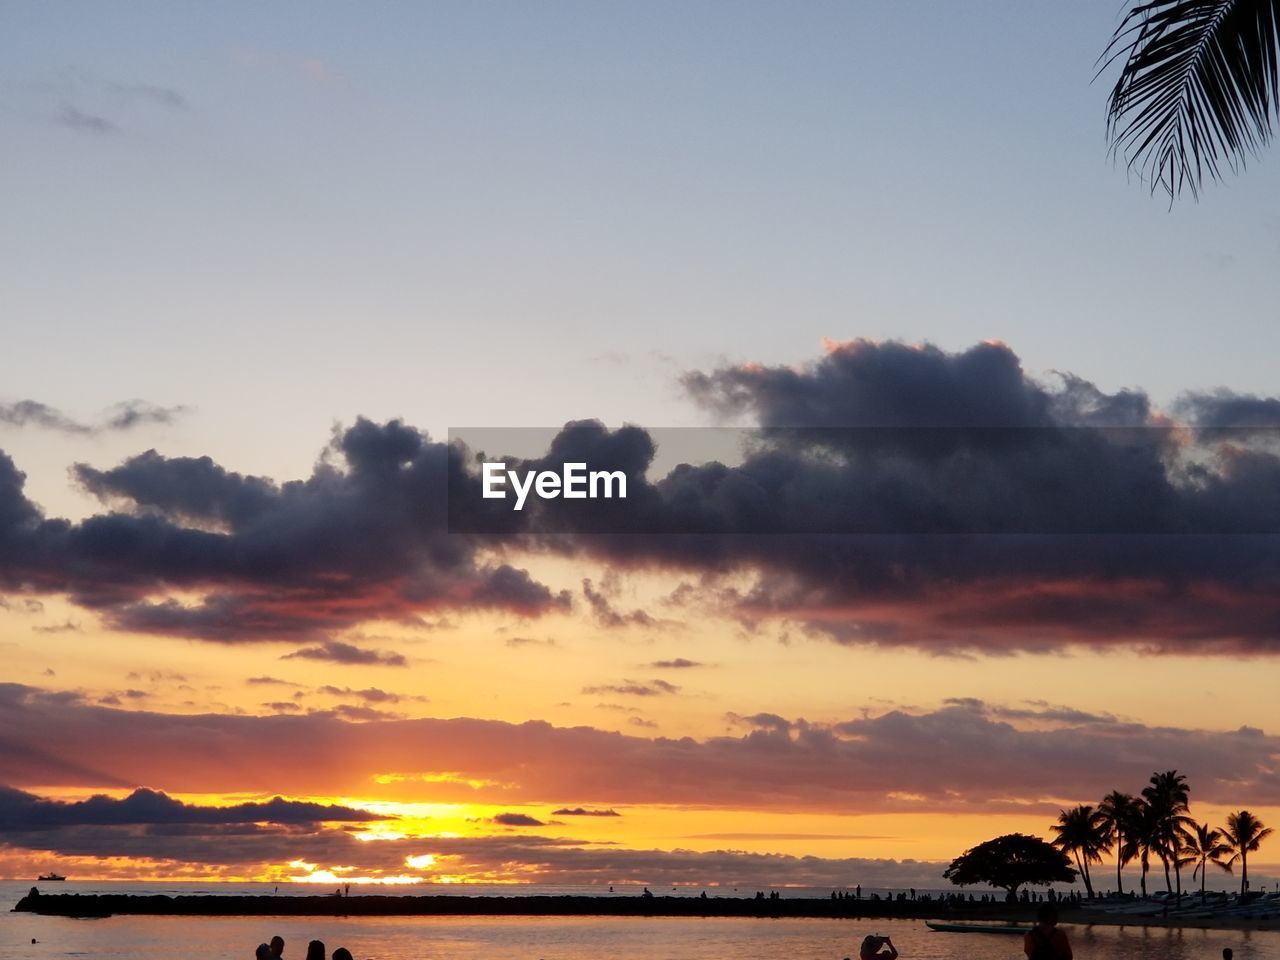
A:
(870, 949)
(277, 947)
(1045, 941)
(1226, 953)
(262, 953)
(315, 950)
(342, 953)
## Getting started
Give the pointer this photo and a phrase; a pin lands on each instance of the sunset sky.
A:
(261, 259)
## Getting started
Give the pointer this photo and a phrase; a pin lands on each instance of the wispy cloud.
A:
(633, 688)
(76, 119)
(584, 812)
(151, 93)
(335, 651)
(119, 417)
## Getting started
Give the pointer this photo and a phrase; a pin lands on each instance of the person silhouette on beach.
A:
(315, 950)
(263, 952)
(277, 947)
(1226, 953)
(1045, 941)
(342, 953)
(870, 949)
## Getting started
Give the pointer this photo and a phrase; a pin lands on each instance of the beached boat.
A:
(974, 927)
(50, 877)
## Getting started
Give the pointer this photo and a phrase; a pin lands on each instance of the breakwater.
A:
(105, 905)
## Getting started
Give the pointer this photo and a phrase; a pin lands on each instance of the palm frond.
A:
(1198, 88)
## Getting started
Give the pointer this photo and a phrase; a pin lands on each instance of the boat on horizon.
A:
(50, 878)
(975, 927)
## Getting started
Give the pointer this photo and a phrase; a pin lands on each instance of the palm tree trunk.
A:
(1083, 869)
(1119, 862)
(1244, 873)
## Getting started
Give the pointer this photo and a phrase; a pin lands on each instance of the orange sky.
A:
(605, 707)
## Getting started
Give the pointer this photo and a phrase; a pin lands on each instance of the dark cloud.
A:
(868, 384)
(363, 538)
(983, 510)
(517, 820)
(334, 651)
(270, 681)
(1224, 409)
(584, 812)
(607, 616)
(679, 663)
(21, 811)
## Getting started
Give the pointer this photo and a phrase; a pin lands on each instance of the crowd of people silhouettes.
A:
(274, 950)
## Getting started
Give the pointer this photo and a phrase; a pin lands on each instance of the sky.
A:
(262, 259)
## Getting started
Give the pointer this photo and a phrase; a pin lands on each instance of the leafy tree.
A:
(1203, 847)
(1197, 90)
(1009, 862)
(1245, 834)
(1118, 814)
(1080, 832)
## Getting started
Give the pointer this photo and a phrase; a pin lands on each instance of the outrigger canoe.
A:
(974, 928)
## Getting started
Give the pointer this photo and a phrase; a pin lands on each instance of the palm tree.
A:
(1118, 812)
(1080, 832)
(1245, 834)
(1167, 795)
(1197, 90)
(1141, 840)
(1203, 847)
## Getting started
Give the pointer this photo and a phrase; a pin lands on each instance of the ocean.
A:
(553, 938)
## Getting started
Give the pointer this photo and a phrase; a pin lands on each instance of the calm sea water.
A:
(553, 938)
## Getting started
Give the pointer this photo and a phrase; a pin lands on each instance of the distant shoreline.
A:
(624, 905)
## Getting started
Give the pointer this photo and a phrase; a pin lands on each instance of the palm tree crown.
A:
(1203, 847)
(1080, 832)
(1245, 834)
(1167, 823)
(1118, 813)
(1197, 89)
